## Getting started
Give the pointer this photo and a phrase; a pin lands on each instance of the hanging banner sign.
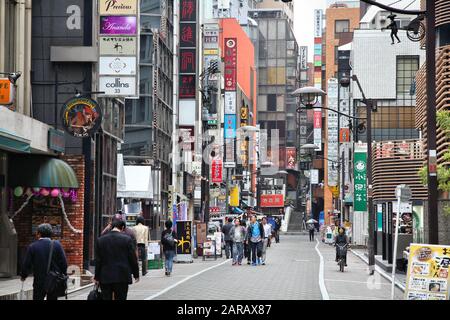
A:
(230, 102)
(121, 7)
(81, 117)
(360, 177)
(428, 276)
(230, 60)
(230, 126)
(216, 171)
(118, 86)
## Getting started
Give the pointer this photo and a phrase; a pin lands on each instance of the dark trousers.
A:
(337, 255)
(119, 290)
(39, 294)
(311, 235)
(256, 250)
(228, 248)
(143, 257)
(277, 236)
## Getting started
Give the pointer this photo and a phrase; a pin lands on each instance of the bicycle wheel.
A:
(416, 35)
(341, 265)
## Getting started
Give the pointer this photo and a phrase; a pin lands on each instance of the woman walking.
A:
(169, 242)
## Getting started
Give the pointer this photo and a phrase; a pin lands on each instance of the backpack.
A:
(168, 239)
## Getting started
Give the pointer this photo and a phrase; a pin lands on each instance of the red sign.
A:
(317, 119)
(187, 60)
(272, 200)
(344, 135)
(230, 60)
(187, 86)
(216, 171)
(188, 36)
(291, 157)
(188, 10)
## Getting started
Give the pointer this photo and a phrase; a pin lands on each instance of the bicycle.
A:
(415, 30)
(342, 252)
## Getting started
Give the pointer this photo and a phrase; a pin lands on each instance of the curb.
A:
(398, 284)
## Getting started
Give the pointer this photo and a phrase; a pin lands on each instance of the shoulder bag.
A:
(55, 282)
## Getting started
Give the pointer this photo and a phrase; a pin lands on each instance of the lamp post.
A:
(310, 148)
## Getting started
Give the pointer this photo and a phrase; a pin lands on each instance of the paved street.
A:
(292, 273)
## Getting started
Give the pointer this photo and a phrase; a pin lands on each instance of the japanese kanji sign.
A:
(187, 86)
(187, 60)
(188, 10)
(230, 60)
(216, 171)
(272, 200)
(6, 92)
(188, 51)
(360, 177)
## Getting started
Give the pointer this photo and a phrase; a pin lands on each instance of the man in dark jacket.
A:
(116, 260)
(227, 237)
(36, 261)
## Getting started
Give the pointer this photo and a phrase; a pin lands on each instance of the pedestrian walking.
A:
(142, 240)
(38, 261)
(238, 234)
(311, 228)
(247, 251)
(115, 262)
(227, 238)
(255, 234)
(267, 234)
(169, 242)
(128, 231)
(277, 229)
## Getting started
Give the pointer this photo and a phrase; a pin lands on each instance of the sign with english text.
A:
(118, 7)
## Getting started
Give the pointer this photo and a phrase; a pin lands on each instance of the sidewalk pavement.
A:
(354, 283)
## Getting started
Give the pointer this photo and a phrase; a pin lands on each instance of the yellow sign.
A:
(6, 92)
(234, 196)
(335, 191)
(113, 7)
(211, 52)
(428, 276)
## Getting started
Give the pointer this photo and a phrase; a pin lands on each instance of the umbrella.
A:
(311, 221)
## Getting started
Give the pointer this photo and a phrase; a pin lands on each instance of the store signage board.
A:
(272, 200)
(360, 177)
(118, 7)
(120, 25)
(303, 58)
(81, 117)
(56, 140)
(428, 272)
(230, 102)
(6, 92)
(318, 129)
(216, 171)
(184, 244)
(230, 61)
(117, 86)
(118, 45)
(332, 132)
(229, 164)
(124, 66)
(318, 22)
(230, 126)
(314, 176)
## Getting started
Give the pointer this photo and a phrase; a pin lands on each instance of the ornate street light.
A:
(309, 96)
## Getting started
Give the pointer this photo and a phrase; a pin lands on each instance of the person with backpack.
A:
(227, 238)
(255, 236)
(44, 256)
(311, 228)
(169, 243)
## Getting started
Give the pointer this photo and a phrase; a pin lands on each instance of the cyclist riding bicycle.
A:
(341, 240)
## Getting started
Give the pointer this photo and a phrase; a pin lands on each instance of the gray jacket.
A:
(243, 233)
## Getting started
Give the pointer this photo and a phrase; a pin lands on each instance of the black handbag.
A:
(55, 282)
(95, 295)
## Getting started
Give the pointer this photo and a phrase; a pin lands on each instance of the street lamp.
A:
(12, 76)
(309, 96)
(310, 149)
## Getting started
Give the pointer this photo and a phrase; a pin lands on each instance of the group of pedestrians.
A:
(250, 241)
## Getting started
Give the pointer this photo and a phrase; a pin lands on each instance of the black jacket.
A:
(226, 231)
(115, 259)
(166, 246)
(36, 260)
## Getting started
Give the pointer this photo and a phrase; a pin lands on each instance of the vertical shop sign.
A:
(360, 177)
(184, 233)
(216, 171)
(291, 157)
(332, 132)
(230, 61)
(318, 129)
(188, 49)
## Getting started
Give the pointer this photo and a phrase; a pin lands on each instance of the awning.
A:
(236, 210)
(14, 143)
(40, 171)
(138, 183)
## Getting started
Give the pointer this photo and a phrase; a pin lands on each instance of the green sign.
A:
(360, 178)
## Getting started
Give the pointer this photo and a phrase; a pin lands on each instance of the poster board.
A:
(154, 250)
(184, 244)
(201, 233)
(218, 238)
(428, 276)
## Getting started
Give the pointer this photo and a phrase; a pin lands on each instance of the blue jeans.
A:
(256, 249)
(238, 251)
(169, 259)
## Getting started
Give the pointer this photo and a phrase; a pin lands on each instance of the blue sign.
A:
(321, 218)
(230, 126)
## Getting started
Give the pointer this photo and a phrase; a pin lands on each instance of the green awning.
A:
(11, 142)
(40, 171)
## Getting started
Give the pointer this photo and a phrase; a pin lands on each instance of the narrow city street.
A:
(292, 273)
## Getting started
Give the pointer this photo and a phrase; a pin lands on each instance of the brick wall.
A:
(71, 242)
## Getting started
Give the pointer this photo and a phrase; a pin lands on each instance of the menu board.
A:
(427, 277)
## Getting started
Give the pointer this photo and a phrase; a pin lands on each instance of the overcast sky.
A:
(304, 23)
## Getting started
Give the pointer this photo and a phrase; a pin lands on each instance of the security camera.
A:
(14, 76)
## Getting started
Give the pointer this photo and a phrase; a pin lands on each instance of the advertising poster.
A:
(230, 126)
(427, 277)
(291, 157)
(184, 234)
(201, 232)
(218, 239)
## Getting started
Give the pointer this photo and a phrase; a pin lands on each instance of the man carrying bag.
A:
(47, 260)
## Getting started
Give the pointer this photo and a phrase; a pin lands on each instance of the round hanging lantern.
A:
(18, 191)
(45, 192)
(54, 193)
